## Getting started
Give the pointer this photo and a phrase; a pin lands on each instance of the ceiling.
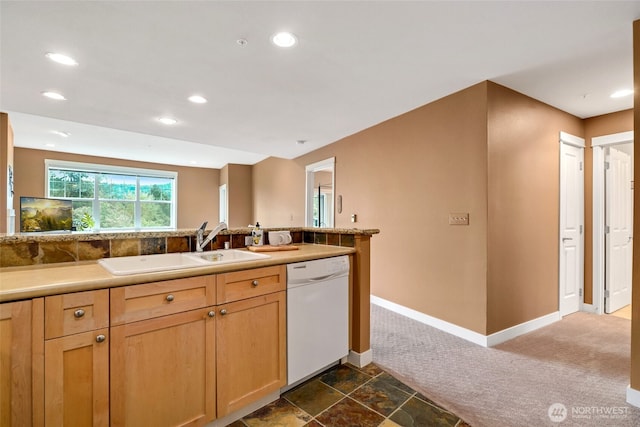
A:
(356, 64)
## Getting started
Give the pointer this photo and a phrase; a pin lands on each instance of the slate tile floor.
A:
(347, 396)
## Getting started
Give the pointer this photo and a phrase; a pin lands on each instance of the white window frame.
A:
(124, 170)
(224, 204)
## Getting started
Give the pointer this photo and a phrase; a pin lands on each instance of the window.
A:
(112, 197)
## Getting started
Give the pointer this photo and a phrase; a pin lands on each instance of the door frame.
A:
(578, 142)
(598, 145)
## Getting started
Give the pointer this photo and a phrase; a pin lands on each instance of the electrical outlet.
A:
(459, 218)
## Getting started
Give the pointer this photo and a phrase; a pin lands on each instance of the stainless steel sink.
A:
(122, 266)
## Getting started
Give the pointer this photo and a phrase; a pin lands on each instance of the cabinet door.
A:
(163, 370)
(15, 363)
(251, 362)
(76, 388)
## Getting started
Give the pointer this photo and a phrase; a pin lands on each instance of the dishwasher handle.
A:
(303, 280)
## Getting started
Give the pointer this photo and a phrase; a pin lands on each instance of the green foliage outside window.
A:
(119, 201)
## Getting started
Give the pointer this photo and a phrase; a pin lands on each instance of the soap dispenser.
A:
(257, 234)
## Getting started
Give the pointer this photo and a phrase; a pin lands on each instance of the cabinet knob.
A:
(223, 311)
(100, 338)
(78, 313)
(170, 297)
(254, 283)
(212, 313)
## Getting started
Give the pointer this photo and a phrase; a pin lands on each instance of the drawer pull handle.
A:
(223, 311)
(100, 338)
(254, 283)
(212, 313)
(78, 313)
(170, 297)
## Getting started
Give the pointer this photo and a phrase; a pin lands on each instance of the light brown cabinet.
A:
(76, 359)
(233, 354)
(251, 357)
(250, 283)
(141, 302)
(163, 353)
(176, 352)
(16, 363)
(163, 370)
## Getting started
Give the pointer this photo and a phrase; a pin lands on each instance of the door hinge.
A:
(580, 229)
(580, 292)
(607, 165)
(606, 229)
(580, 165)
(606, 293)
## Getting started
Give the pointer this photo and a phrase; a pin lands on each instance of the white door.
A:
(571, 225)
(619, 221)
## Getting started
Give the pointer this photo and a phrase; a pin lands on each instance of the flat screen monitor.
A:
(38, 214)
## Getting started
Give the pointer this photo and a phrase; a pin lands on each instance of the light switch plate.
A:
(459, 218)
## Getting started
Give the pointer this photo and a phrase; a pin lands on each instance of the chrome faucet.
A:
(200, 235)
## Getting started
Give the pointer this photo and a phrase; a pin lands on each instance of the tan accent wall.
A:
(279, 192)
(6, 162)
(240, 195)
(635, 298)
(605, 124)
(197, 187)
(523, 217)
(486, 150)
(404, 176)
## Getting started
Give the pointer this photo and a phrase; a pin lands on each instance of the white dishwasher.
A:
(317, 315)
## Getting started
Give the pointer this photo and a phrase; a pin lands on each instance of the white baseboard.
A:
(589, 308)
(464, 333)
(522, 328)
(360, 359)
(633, 396)
(445, 326)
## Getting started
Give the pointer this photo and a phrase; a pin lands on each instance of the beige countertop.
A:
(18, 283)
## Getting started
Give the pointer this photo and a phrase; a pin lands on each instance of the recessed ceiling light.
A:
(197, 99)
(167, 121)
(61, 59)
(50, 145)
(622, 93)
(301, 141)
(61, 133)
(284, 39)
(54, 95)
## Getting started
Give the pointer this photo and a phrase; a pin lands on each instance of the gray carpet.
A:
(580, 362)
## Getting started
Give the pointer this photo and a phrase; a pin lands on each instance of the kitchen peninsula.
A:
(53, 293)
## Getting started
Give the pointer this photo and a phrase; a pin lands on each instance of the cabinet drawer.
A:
(243, 284)
(70, 314)
(146, 301)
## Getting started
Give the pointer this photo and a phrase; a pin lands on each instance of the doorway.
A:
(612, 221)
(571, 239)
(320, 185)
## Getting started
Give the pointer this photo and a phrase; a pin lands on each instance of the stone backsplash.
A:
(33, 249)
